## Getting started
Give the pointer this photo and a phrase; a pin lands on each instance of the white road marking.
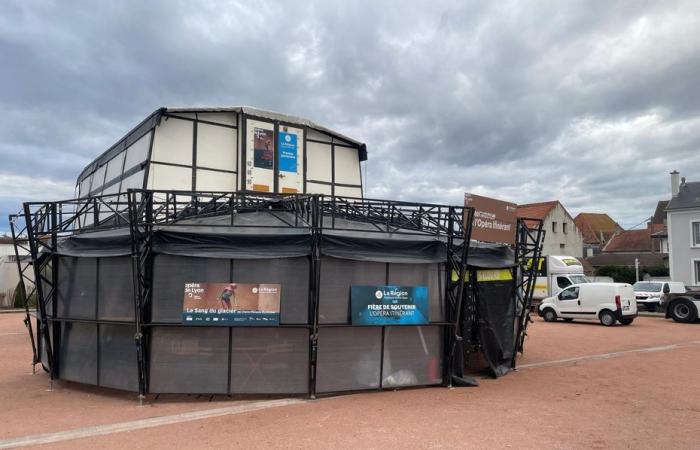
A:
(101, 430)
(608, 355)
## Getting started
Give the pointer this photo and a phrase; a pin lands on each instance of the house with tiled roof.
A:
(596, 229)
(683, 220)
(562, 236)
(660, 237)
(629, 247)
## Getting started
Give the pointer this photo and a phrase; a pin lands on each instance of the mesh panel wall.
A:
(348, 358)
(118, 368)
(291, 273)
(430, 275)
(270, 361)
(412, 356)
(189, 360)
(78, 352)
(337, 275)
(77, 287)
(170, 273)
(115, 293)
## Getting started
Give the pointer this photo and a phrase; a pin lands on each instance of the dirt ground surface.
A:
(581, 385)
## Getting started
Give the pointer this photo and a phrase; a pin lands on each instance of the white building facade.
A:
(9, 277)
(562, 236)
(683, 218)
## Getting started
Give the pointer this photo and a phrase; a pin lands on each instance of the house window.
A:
(562, 246)
(563, 227)
(695, 234)
(696, 266)
(554, 227)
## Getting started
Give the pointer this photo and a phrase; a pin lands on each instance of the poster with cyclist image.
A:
(242, 304)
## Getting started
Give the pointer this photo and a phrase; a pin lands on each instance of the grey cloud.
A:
(591, 102)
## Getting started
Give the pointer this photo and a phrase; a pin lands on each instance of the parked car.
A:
(607, 302)
(651, 294)
(682, 307)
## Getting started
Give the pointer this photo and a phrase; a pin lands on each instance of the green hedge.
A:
(626, 274)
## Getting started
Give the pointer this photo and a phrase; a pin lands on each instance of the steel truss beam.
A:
(141, 230)
(24, 266)
(40, 238)
(528, 250)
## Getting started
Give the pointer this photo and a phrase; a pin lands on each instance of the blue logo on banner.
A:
(287, 152)
(389, 305)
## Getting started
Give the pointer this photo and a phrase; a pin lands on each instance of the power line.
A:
(643, 221)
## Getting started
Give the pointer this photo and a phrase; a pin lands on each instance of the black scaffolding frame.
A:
(36, 232)
(528, 249)
(529, 237)
(146, 211)
(26, 285)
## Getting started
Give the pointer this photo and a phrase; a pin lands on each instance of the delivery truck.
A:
(555, 273)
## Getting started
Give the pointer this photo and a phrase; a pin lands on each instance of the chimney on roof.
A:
(675, 183)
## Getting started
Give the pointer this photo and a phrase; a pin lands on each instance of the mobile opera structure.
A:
(232, 251)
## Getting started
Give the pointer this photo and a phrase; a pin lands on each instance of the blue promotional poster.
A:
(287, 152)
(389, 305)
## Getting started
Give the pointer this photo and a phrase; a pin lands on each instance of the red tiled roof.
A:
(536, 210)
(592, 225)
(633, 240)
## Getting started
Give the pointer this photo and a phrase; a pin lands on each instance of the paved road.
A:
(581, 386)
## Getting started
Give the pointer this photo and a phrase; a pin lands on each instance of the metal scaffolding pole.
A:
(528, 251)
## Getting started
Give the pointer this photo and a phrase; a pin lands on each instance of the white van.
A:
(607, 302)
(651, 293)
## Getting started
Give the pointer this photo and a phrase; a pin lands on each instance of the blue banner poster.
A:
(231, 304)
(287, 152)
(389, 305)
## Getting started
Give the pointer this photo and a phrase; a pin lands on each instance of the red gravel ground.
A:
(647, 399)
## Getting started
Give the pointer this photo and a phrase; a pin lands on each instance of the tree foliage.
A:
(626, 274)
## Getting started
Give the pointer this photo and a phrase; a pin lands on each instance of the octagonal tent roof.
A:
(154, 119)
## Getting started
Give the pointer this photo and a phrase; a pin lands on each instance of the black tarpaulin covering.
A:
(256, 235)
(483, 255)
(189, 242)
(98, 244)
(380, 248)
(496, 323)
(362, 241)
(277, 234)
(231, 246)
(251, 222)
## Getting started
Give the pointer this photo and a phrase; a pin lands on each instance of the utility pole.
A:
(636, 269)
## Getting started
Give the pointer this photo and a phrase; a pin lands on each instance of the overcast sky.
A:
(589, 102)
